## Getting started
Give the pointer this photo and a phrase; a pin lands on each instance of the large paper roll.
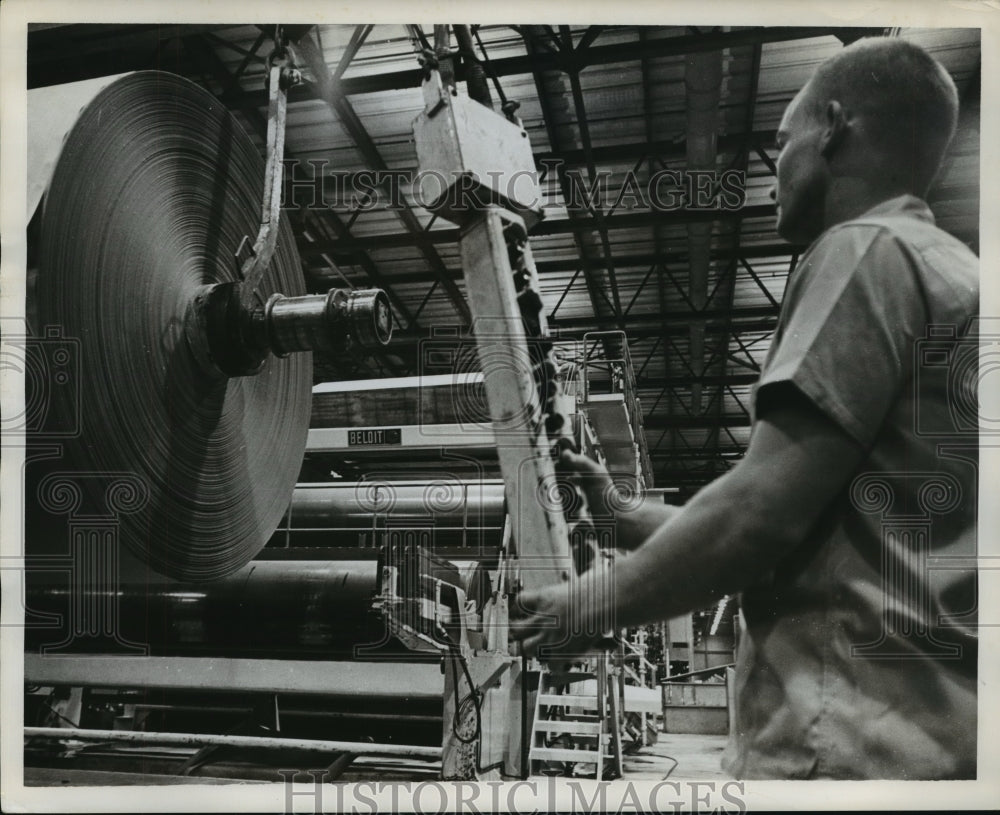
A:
(52, 112)
(153, 190)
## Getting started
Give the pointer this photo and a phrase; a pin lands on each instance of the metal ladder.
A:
(576, 728)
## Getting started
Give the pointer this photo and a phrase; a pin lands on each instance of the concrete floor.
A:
(678, 756)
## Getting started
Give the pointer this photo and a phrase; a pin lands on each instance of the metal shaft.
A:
(230, 339)
(326, 322)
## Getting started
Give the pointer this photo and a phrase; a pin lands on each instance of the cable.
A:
(463, 704)
(475, 76)
(461, 707)
(57, 713)
(474, 692)
(492, 73)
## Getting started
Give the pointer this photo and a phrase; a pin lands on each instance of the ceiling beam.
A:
(667, 150)
(780, 252)
(731, 452)
(742, 160)
(590, 260)
(563, 226)
(546, 60)
(73, 52)
(330, 90)
(675, 327)
(583, 128)
(659, 382)
(711, 421)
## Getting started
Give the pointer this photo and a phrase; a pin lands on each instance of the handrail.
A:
(621, 374)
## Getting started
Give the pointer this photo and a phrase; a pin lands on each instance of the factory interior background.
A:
(284, 534)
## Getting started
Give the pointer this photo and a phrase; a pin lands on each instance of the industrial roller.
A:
(275, 609)
(453, 513)
(187, 332)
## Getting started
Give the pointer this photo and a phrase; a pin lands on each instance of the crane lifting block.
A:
(477, 158)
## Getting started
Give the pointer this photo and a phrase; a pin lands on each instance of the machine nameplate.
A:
(374, 436)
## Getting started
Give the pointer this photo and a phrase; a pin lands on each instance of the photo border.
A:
(772, 795)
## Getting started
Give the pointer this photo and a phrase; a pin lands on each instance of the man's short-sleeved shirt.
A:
(859, 653)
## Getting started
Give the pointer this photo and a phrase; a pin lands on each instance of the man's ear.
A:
(835, 126)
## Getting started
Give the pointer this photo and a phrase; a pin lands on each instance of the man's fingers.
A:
(592, 477)
(537, 613)
(583, 465)
(545, 641)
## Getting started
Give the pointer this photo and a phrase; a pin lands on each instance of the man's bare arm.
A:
(729, 533)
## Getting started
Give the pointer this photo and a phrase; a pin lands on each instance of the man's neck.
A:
(850, 198)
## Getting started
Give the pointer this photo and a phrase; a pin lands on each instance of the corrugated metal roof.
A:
(633, 110)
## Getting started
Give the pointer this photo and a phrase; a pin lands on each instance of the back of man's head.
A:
(907, 101)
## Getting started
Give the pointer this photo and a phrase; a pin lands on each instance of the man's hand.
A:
(564, 619)
(541, 618)
(593, 478)
(635, 517)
